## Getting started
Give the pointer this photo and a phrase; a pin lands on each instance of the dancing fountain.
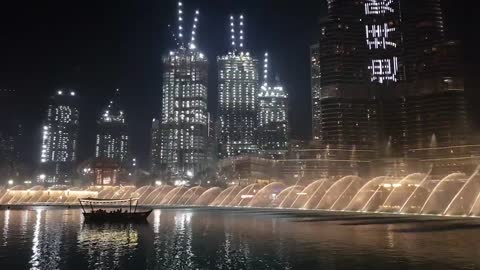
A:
(456, 194)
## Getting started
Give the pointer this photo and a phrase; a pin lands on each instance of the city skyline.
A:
(300, 128)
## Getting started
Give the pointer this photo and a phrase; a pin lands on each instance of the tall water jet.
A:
(465, 198)
(157, 199)
(191, 195)
(304, 197)
(318, 194)
(360, 200)
(401, 192)
(142, 193)
(173, 197)
(443, 193)
(244, 196)
(267, 194)
(208, 196)
(228, 195)
(287, 197)
(336, 191)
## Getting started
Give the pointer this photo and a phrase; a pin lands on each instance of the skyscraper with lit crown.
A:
(60, 139)
(112, 134)
(183, 126)
(238, 85)
(272, 116)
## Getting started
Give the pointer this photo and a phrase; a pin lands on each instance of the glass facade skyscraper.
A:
(60, 138)
(112, 134)
(273, 126)
(184, 122)
(238, 85)
(238, 89)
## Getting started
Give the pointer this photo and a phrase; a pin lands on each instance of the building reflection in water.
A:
(107, 245)
(36, 250)
(216, 239)
(6, 223)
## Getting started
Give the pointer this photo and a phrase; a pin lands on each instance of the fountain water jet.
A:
(396, 198)
(359, 198)
(431, 206)
(335, 191)
(267, 194)
(208, 196)
(463, 190)
(286, 194)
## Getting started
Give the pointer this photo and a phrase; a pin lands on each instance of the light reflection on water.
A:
(42, 238)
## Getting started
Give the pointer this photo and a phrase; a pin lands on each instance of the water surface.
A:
(55, 238)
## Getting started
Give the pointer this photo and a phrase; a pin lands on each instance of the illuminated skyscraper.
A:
(184, 121)
(112, 135)
(60, 138)
(155, 143)
(344, 109)
(238, 85)
(272, 129)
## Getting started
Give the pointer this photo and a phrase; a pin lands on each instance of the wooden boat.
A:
(102, 210)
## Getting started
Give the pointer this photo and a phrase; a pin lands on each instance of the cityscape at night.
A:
(252, 134)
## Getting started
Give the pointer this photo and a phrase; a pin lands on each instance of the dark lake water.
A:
(49, 238)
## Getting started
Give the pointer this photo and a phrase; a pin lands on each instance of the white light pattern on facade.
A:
(376, 7)
(384, 69)
(377, 36)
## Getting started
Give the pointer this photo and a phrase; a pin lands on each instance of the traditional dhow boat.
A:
(121, 210)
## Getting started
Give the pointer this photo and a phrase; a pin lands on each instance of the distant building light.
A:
(60, 92)
(10, 182)
(72, 93)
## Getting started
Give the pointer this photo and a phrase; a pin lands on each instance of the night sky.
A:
(97, 46)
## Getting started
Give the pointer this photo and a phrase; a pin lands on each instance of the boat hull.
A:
(117, 217)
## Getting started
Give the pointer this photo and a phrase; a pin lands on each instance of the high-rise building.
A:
(155, 143)
(60, 139)
(112, 133)
(184, 121)
(344, 102)
(12, 141)
(272, 132)
(423, 29)
(238, 86)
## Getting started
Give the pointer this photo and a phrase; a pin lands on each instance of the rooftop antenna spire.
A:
(180, 23)
(241, 34)
(194, 30)
(265, 70)
(232, 33)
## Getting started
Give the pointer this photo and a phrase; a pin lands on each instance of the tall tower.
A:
(273, 116)
(60, 139)
(184, 121)
(238, 90)
(344, 109)
(112, 135)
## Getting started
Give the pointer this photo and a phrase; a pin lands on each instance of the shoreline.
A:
(266, 211)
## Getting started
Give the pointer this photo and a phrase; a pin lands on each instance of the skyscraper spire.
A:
(194, 30)
(241, 29)
(232, 33)
(180, 23)
(265, 70)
